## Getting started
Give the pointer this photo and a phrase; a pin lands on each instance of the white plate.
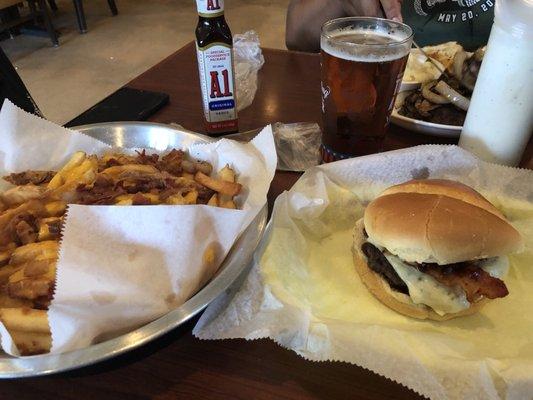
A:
(428, 128)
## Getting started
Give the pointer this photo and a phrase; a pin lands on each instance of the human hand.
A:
(390, 9)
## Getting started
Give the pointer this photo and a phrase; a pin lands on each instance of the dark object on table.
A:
(80, 14)
(12, 87)
(125, 104)
(38, 10)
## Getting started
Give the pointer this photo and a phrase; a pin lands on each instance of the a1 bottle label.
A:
(209, 8)
(215, 64)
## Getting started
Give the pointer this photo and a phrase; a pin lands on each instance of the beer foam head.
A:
(363, 45)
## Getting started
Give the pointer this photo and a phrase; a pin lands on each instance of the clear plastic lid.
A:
(515, 16)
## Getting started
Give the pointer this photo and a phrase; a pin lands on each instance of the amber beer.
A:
(363, 60)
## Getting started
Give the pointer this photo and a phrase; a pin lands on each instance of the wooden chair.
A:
(38, 8)
(80, 14)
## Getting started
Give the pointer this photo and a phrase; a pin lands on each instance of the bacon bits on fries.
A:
(31, 215)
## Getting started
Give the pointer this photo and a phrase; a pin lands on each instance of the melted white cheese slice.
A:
(424, 289)
(496, 267)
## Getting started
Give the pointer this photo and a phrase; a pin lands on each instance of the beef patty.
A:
(379, 264)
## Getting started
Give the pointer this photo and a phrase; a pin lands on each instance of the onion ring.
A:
(454, 97)
(432, 96)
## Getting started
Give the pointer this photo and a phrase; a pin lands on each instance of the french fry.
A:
(121, 170)
(209, 256)
(25, 320)
(21, 194)
(213, 201)
(191, 167)
(31, 206)
(154, 197)
(38, 267)
(59, 177)
(55, 208)
(124, 200)
(175, 199)
(5, 254)
(184, 181)
(227, 174)
(7, 301)
(191, 197)
(31, 289)
(83, 173)
(29, 252)
(179, 199)
(31, 343)
(33, 280)
(203, 167)
(49, 228)
(228, 204)
(119, 159)
(128, 199)
(188, 167)
(7, 270)
(220, 186)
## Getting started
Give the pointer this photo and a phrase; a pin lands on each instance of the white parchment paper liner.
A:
(121, 267)
(304, 293)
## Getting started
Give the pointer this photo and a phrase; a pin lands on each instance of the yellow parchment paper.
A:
(304, 293)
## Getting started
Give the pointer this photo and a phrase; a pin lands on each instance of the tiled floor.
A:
(66, 80)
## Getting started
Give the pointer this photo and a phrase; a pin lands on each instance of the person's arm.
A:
(306, 17)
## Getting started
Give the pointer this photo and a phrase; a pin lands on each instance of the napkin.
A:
(122, 267)
(303, 291)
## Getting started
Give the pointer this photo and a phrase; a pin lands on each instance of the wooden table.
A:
(180, 366)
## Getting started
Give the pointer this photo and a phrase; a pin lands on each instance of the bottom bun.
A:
(397, 301)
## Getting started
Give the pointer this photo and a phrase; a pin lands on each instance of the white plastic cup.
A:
(499, 121)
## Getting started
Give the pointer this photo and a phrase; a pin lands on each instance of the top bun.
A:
(438, 221)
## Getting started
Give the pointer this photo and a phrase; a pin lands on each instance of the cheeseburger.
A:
(433, 249)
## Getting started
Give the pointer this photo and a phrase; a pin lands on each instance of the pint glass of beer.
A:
(362, 60)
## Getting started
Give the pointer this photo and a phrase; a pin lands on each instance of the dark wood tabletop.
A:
(181, 366)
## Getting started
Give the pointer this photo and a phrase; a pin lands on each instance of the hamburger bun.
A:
(448, 188)
(439, 221)
(397, 301)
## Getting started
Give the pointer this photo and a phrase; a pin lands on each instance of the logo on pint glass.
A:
(325, 93)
